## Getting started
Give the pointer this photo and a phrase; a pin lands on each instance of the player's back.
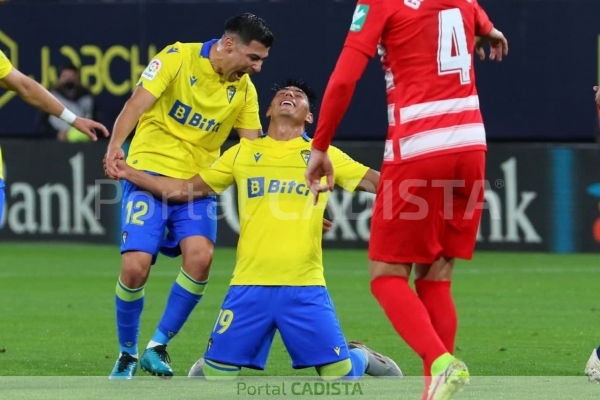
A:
(426, 50)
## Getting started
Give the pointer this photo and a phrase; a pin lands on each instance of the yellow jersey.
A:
(280, 228)
(5, 68)
(194, 113)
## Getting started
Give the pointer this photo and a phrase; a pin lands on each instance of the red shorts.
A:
(428, 208)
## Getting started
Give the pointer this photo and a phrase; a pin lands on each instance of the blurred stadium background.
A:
(527, 303)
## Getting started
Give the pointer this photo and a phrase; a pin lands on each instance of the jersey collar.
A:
(205, 50)
(306, 137)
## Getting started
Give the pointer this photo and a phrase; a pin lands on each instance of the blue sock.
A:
(359, 364)
(598, 351)
(129, 306)
(185, 294)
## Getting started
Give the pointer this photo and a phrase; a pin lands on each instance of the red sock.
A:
(408, 315)
(437, 299)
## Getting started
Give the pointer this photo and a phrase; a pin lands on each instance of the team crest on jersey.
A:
(231, 90)
(124, 237)
(305, 154)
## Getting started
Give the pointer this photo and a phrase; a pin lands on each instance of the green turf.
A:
(519, 314)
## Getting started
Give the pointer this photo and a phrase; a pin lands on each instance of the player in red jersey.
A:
(429, 198)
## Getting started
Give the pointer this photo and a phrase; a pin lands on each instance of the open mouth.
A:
(287, 103)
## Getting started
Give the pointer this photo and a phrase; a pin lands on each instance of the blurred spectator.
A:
(77, 98)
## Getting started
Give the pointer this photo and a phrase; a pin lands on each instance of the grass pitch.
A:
(519, 314)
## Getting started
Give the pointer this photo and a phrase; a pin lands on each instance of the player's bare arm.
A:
(249, 134)
(36, 95)
(369, 182)
(597, 90)
(168, 188)
(140, 101)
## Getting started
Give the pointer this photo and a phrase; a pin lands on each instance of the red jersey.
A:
(426, 48)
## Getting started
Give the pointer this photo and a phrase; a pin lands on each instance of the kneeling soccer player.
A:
(282, 289)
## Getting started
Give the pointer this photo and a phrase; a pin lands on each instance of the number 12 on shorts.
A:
(135, 212)
(224, 321)
(452, 38)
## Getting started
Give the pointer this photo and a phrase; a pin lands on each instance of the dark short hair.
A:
(67, 67)
(249, 27)
(310, 94)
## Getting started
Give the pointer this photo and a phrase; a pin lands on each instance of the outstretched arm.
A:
(36, 95)
(165, 187)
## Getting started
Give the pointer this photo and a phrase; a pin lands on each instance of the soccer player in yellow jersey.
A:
(36, 95)
(282, 287)
(187, 101)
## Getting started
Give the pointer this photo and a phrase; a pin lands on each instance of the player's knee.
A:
(213, 370)
(334, 371)
(196, 262)
(440, 270)
(135, 269)
(379, 268)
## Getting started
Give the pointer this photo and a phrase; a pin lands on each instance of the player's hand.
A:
(498, 45)
(113, 155)
(89, 127)
(319, 165)
(327, 225)
(123, 169)
(597, 90)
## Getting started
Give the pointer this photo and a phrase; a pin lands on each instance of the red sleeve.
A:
(349, 69)
(483, 25)
(368, 22)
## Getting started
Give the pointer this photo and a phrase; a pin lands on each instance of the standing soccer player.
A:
(187, 102)
(36, 95)
(427, 209)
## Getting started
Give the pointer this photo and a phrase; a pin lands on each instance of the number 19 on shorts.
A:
(452, 37)
(224, 321)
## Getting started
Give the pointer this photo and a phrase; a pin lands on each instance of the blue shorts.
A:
(304, 316)
(1, 200)
(150, 226)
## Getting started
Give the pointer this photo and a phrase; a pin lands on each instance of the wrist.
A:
(319, 148)
(68, 116)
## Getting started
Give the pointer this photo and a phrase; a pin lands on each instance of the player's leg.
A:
(242, 334)
(192, 233)
(432, 283)
(459, 238)
(312, 334)
(142, 231)
(592, 368)
(404, 230)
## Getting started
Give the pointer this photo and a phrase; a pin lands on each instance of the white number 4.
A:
(452, 37)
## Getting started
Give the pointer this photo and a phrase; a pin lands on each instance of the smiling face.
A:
(291, 102)
(242, 59)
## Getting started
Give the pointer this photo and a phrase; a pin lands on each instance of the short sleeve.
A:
(483, 25)
(347, 172)
(219, 176)
(249, 118)
(162, 70)
(5, 65)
